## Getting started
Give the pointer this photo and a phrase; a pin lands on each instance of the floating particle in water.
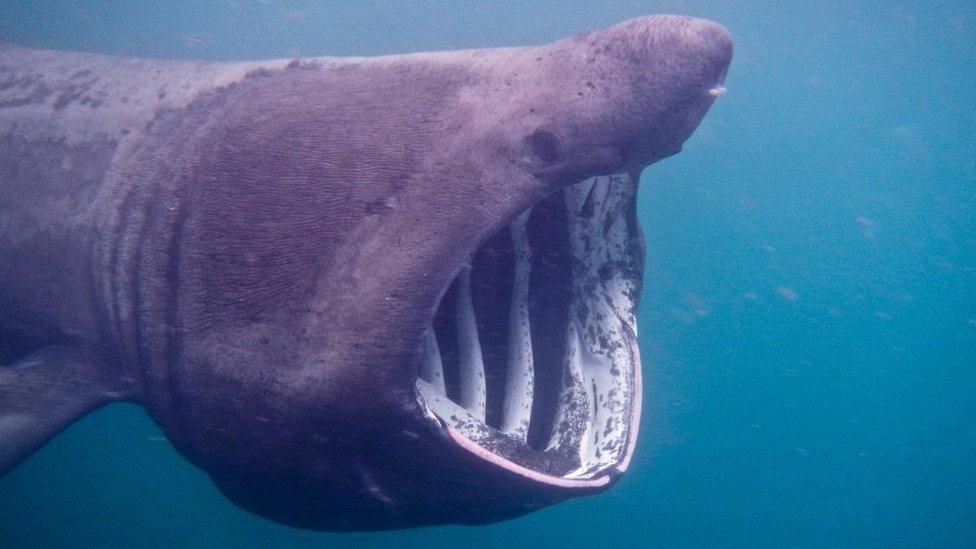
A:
(680, 315)
(787, 293)
(697, 304)
(867, 226)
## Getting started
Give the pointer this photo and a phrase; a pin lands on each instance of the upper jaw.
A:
(531, 362)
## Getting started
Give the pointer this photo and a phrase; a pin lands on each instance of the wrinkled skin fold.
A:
(362, 293)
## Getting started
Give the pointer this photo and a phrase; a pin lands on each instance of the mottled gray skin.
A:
(251, 251)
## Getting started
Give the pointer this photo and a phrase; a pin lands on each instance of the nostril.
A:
(544, 145)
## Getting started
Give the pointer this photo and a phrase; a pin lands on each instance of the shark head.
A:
(413, 282)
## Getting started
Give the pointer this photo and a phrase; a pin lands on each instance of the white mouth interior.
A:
(533, 354)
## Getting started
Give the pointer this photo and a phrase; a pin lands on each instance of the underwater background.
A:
(808, 323)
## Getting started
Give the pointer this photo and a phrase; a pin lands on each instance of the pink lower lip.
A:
(472, 447)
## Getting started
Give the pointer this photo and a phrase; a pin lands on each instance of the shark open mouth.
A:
(531, 361)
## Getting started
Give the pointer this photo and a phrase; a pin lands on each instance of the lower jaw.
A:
(531, 362)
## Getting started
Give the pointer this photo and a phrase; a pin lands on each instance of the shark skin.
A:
(360, 293)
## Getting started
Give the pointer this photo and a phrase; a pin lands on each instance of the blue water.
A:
(809, 319)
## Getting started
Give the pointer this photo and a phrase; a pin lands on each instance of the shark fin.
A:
(47, 391)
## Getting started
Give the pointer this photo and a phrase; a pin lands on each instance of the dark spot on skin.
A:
(162, 94)
(91, 102)
(62, 101)
(377, 207)
(21, 101)
(544, 145)
(25, 89)
(261, 72)
(76, 88)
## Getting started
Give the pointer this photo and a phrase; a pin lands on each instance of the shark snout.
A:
(702, 46)
(670, 69)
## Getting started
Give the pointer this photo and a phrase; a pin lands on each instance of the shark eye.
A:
(544, 145)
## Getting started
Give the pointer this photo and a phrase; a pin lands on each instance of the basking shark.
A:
(360, 293)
